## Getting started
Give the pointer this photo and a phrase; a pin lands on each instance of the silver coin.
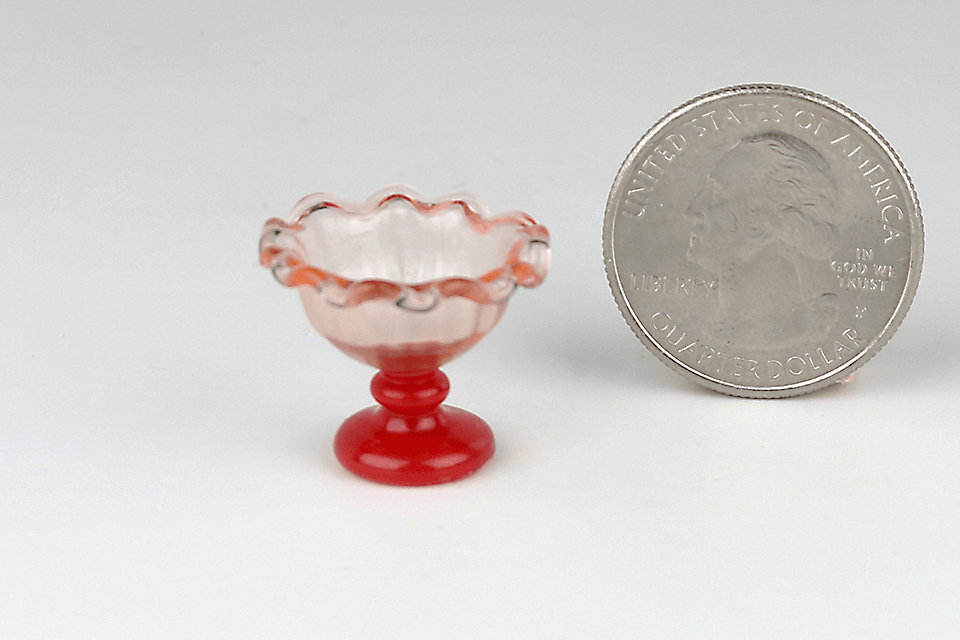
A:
(763, 240)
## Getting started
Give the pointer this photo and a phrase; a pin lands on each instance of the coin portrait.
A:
(768, 204)
(763, 241)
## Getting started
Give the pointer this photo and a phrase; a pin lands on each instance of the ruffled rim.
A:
(526, 264)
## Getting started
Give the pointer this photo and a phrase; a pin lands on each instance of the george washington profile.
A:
(769, 205)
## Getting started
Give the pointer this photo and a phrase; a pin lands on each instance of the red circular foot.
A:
(411, 440)
(445, 445)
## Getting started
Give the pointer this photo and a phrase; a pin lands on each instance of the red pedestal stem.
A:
(410, 439)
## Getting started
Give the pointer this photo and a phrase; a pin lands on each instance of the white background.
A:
(167, 413)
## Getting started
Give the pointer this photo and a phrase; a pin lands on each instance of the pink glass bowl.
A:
(406, 285)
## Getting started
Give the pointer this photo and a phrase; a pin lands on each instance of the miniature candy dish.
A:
(406, 285)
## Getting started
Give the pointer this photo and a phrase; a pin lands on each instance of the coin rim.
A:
(794, 389)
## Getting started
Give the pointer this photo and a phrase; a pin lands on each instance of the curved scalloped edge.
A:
(526, 265)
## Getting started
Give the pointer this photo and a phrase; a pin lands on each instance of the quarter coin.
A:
(763, 240)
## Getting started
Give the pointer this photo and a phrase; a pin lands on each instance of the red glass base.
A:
(410, 440)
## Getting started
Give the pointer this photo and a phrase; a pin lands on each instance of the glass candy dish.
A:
(406, 285)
